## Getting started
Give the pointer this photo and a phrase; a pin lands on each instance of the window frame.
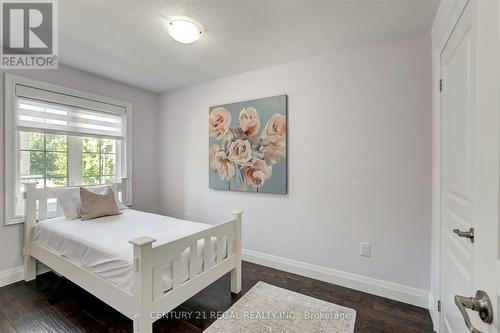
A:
(11, 162)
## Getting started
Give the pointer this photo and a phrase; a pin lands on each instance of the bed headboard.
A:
(33, 194)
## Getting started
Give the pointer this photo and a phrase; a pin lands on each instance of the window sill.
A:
(14, 221)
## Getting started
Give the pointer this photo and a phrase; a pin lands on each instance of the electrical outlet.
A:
(364, 249)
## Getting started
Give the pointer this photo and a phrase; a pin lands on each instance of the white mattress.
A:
(102, 245)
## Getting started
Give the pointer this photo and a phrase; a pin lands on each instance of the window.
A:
(61, 137)
(98, 161)
(43, 159)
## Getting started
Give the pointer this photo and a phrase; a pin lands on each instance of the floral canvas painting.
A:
(248, 146)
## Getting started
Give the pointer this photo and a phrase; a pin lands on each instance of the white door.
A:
(470, 169)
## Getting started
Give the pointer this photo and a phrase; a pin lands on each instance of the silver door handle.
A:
(467, 234)
(481, 303)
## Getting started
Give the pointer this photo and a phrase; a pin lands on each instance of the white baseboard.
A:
(366, 284)
(370, 285)
(16, 274)
(11, 275)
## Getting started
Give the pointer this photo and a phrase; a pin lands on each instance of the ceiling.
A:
(127, 40)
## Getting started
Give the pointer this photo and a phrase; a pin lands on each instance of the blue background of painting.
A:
(266, 107)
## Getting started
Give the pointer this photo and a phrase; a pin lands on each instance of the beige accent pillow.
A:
(96, 205)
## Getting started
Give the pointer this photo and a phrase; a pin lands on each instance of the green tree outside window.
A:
(44, 159)
(98, 161)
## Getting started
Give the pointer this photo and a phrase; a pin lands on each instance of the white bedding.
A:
(102, 245)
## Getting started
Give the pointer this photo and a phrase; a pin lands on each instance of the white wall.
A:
(144, 145)
(359, 160)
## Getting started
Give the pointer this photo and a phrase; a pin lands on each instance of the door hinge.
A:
(439, 306)
(440, 84)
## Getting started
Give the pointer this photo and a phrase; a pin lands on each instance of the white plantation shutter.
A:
(37, 110)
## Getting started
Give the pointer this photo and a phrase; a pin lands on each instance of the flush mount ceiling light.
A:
(184, 31)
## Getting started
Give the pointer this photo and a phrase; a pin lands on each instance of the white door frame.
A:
(446, 18)
(487, 91)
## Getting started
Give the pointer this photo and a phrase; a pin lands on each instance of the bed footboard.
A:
(149, 265)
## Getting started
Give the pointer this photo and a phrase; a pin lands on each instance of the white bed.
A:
(101, 245)
(139, 263)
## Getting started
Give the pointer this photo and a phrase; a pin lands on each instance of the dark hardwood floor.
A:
(54, 304)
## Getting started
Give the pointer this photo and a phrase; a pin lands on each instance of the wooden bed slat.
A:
(193, 260)
(158, 281)
(230, 245)
(220, 249)
(176, 273)
(207, 253)
(42, 209)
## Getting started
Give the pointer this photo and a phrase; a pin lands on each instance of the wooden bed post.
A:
(143, 284)
(236, 272)
(29, 223)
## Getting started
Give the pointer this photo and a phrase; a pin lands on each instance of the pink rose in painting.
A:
(214, 149)
(275, 130)
(240, 151)
(223, 166)
(275, 152)
(219, 122)
(256, 173)
(249, 121)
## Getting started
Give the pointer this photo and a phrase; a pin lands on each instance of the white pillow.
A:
(69, 199)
